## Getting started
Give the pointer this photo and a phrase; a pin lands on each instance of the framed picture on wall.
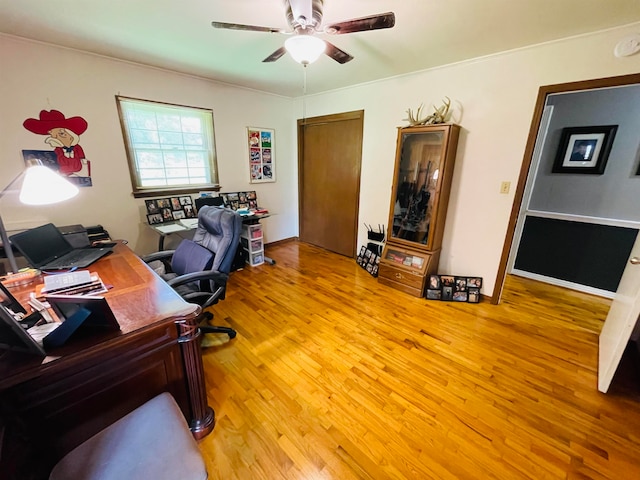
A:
(584, 149)
(262, 161)
(49, 158)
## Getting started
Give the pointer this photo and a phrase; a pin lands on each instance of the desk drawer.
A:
(401, 279)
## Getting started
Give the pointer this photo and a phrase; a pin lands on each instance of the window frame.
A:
(137, 189)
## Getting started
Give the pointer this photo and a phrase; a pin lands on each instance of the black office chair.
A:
(198, 269)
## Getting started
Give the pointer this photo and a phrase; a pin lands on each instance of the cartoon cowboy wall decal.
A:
(63, 134)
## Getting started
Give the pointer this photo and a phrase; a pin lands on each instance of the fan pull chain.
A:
(304, 92)
(304, 81)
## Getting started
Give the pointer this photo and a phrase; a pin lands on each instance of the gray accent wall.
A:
(616, 193)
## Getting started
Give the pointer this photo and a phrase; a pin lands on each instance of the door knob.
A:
(634, 260)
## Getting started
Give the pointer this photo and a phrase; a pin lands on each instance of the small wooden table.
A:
(50, 405)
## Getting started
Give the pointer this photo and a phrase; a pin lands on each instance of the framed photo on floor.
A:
(454, 288)
(369, 260)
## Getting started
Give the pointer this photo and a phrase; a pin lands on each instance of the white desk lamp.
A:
(41, 186)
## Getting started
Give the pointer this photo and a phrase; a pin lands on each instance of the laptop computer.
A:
(45, 248)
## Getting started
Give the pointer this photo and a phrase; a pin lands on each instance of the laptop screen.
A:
(41, 245)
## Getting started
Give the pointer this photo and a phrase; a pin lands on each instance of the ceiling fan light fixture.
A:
(305, 49)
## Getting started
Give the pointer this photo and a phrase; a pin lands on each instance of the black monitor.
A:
(8, 301)
(211, 201)
(13, 335)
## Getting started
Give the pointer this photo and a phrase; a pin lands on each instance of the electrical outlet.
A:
(504, 187)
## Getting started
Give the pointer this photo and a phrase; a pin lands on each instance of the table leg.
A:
(202, 415)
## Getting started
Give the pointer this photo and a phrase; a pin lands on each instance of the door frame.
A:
(538, 111)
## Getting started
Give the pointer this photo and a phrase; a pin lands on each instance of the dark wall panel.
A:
(583, 253)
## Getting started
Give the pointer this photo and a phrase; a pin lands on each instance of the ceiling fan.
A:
(305, 18)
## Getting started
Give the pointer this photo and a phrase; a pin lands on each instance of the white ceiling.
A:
(177, 35)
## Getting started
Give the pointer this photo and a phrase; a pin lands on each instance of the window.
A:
(170, 148)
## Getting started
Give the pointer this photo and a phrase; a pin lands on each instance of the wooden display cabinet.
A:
(425, 156)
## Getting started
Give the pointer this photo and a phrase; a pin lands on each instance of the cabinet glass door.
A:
(417, 172)
(400, 257)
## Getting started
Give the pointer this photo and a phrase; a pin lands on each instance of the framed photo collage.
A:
(172, 209)
(453, 288)
(239, 200)
(262, 157)
(369, 260)
(163, 210)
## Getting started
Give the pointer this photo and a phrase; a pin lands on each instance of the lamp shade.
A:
(305, 49)
(42, 186)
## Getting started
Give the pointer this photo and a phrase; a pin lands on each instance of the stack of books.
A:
(81, 282)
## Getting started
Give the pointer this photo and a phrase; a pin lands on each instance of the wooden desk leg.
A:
(203, 417)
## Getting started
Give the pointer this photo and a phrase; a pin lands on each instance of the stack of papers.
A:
(189, 222)
(169, 228)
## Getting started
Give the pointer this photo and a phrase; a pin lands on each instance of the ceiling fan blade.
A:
(252, 28)
(373, 22)
(338, 55)
(275, 55)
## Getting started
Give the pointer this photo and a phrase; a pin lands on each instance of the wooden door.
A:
(329, 159)
(621, 320)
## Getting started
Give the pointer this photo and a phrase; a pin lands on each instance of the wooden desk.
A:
(50, 405)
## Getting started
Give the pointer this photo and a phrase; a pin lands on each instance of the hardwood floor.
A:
(334, 376)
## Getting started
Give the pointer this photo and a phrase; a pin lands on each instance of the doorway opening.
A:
(531, 150)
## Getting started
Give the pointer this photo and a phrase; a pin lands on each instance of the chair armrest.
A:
(162, 255)
(218, 277)
(204, 299)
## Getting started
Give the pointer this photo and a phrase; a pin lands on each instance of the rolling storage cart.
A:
(251, 239)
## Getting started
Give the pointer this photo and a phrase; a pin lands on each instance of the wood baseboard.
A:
(281, 242)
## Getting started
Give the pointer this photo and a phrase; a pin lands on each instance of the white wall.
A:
(496, 97)
(35, 77)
